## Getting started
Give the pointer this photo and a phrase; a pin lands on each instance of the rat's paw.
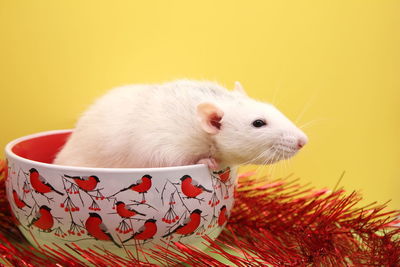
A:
(210, 162)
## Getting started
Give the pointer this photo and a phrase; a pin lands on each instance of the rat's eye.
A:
(259, 123)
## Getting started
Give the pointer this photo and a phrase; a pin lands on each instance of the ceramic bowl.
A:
(116, 209)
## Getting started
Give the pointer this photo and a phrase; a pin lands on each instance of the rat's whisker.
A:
(267, 160)
(261, 155)
(273, 160)
(310, 123)
(305, 108)
(281, 165)
(282, 154)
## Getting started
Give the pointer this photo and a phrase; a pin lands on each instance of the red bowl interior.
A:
(43, 148)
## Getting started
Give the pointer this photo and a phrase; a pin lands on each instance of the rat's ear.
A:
(210, 117)
(239, 88)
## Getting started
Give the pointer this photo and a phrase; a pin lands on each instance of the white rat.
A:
(180, 123)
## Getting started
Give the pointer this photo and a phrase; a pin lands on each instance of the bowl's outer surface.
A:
(51, 207)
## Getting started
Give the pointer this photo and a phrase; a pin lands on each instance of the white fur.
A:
(157, 126)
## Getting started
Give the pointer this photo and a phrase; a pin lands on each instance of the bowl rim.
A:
(12, 155)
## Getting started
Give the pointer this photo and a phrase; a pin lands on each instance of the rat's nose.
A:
(302, 141)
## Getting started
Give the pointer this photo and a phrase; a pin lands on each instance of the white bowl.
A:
(112, 207)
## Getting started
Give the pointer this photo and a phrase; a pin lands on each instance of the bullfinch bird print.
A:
(43, 219)
(190, 188)
(147, 231)
(126, 212)
(224, 175)
(189, 225)
(19, 202)
(95, 227)
(222, 217)
(86, 183)
(40, 184)
(141, 186)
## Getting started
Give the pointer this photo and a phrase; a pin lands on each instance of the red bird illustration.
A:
(141, 186)
(126, 212)
(43, 220)
(40, 184)
(222, 217)
(189, 225)
(147, 231)
(190, 187)
(95, 227)
(19, 202)
(86, 183)
(224, 175)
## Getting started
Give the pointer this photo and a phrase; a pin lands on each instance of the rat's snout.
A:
(301, 141)
(291, 142)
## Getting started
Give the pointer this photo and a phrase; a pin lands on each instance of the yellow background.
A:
(335, 62)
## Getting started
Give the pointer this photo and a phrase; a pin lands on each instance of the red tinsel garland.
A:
(274, 222)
